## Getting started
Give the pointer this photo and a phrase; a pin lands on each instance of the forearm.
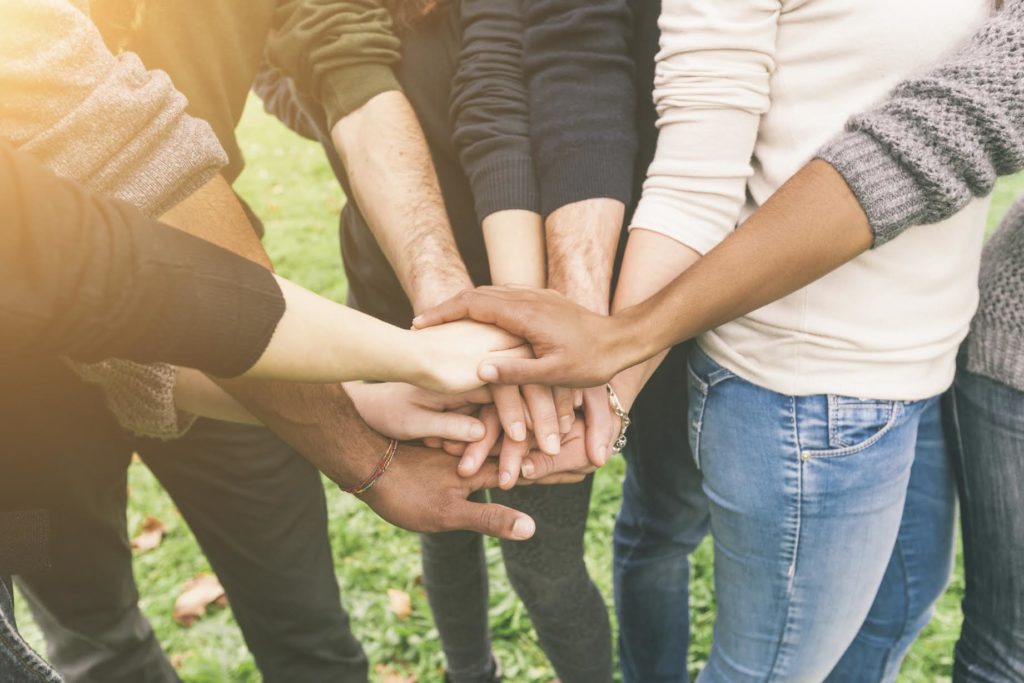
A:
(651, 262)
(318, 420)
(582, 239)
(807, 229)
(318, 340)
(515, 247)
(942, 138)
(393, 179)
(197, 394)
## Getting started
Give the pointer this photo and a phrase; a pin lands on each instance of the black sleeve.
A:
(489, 109)
(93, 279)
(579, 71)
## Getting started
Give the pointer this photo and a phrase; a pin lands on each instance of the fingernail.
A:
(466, 466)
(504, 478)
(477, 432)
(528, 469)
(488, 373)
(552, 444)
(523, 528)
(565, 424)
(602, 455)
(517, 431)
(417, 320)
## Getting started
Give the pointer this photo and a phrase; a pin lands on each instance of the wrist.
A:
(436, 289)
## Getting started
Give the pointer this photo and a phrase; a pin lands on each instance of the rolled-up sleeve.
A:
(340, 53)
(711, 88)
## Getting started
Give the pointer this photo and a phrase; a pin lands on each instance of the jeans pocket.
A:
(855, 424)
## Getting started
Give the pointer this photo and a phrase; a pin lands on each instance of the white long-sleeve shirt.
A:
(747, 91)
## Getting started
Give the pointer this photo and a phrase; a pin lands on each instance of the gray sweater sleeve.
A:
(100, 119)
(939, 140)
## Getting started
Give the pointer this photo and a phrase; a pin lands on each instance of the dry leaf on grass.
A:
(196, 596)
(399, 603)
(389, 675)
(153, 531)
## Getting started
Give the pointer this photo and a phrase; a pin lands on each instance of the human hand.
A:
(574, 347)
(575, 459)
(422, 492)
(447, 356)
(451, 354)
(408, 413)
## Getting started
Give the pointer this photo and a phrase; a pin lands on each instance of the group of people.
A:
(740, 241)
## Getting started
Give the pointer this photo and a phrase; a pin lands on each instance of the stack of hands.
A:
(468, 404)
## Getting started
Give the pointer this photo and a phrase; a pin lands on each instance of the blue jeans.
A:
(989, 460)
(18, 662)
(664, 517)
(807, 502)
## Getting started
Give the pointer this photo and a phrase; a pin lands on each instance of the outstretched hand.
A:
(422, 492)
(573, 346)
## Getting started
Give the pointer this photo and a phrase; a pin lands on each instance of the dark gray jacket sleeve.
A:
(579, 70)
(942, 139)
(489, 108)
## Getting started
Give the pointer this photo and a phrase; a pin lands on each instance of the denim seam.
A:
(898, 550)
(26, 658)
(897, 412)
(698, 426)
(783, 637)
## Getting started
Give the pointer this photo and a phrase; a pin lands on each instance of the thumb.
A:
(451, 310)
(491, 519)
(518, 371)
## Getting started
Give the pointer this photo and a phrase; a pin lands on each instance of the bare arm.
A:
(421, 491)
(393, 179)
(810, 227)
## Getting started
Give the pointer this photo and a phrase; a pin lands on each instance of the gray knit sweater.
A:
(932, 145)
(119, 130)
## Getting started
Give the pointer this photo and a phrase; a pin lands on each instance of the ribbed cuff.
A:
(509, 182)
(886, 191)
(996, 353)
(600, 171)
(346, 90)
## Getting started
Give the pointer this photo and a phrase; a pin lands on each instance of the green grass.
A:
(290, 186)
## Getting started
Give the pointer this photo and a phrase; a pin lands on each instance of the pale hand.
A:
(408, 413)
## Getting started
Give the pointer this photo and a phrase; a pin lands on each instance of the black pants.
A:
(255, 506)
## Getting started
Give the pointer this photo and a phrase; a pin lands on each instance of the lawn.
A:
(290, 186)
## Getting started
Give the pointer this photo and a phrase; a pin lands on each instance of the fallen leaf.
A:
(196, 596)
(153, 531)
(389, 675)
(400, 603)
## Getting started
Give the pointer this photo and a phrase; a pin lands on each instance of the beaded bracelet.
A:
(378, 471)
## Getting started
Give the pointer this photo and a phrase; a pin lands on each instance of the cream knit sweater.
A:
(747, 92)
